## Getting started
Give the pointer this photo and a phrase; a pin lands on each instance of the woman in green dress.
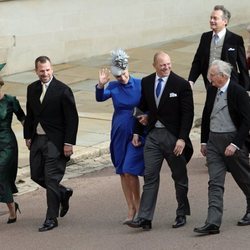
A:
(8, 151)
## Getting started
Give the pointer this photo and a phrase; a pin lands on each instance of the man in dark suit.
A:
(167, 101)
(222, 44)
(225, 127)
(50, 131)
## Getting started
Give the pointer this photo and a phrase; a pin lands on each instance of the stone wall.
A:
(70, 30)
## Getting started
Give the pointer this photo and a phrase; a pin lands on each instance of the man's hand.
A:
(179, 147)
(230, 150)
(136, 140)
(28, 143)
(203, 149)
(68, 150)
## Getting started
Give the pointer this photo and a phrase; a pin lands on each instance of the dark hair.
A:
(226, 13)
(41, 59)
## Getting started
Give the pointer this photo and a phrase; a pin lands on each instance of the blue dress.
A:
(125, 157)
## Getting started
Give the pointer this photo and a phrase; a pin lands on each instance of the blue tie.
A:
(158, 88)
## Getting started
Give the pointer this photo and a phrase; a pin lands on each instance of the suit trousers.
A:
(159, 145)
(218, 165)
(47, 170)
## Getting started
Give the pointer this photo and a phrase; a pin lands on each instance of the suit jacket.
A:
(175, 110)
(233, 52)
(239, 109)
(57, 113)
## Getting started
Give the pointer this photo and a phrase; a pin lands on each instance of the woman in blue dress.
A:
(126, 158)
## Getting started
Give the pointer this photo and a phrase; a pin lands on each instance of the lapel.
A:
(211, 95)
(207, 45)
(230, 94)
(37, 93)
(150, 87)
(167, 90)
(49, 93)
(225, 45)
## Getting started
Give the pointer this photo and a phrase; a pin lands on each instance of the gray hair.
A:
(222, 67)
(226, 13)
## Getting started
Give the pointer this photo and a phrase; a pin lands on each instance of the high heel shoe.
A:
(13, 220)
(128, 220)
(17, 208)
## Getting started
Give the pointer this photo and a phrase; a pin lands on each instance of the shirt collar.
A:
(163, 78)
(224, 88)
(221, 33)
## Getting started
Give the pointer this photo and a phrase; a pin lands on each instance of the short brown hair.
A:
(41, 59)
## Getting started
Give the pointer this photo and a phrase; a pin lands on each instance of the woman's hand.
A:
(136, 140)
(104, 77)
(143, 119)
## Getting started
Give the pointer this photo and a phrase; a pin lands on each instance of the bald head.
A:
(162, 64)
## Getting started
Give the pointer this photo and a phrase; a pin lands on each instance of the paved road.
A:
(98, 209)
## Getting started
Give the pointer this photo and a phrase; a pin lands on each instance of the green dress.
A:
(8, 147)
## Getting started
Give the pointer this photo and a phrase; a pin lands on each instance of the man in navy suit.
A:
(220, 43)
(50, 131)
(167, 101)
(224, 130)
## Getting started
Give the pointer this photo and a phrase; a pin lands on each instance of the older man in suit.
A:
(220, 43)
(225, 127)
(167, 101)
(50, 131)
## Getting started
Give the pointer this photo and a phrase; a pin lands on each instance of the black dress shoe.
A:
(140, 222)
(179, 221)
(65, 202)
(207, 229)
(48, 225)
(245, 221)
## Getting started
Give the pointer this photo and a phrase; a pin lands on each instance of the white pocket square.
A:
(231, 49)
(172, 95)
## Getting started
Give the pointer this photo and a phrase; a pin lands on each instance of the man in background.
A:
(220, 43)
